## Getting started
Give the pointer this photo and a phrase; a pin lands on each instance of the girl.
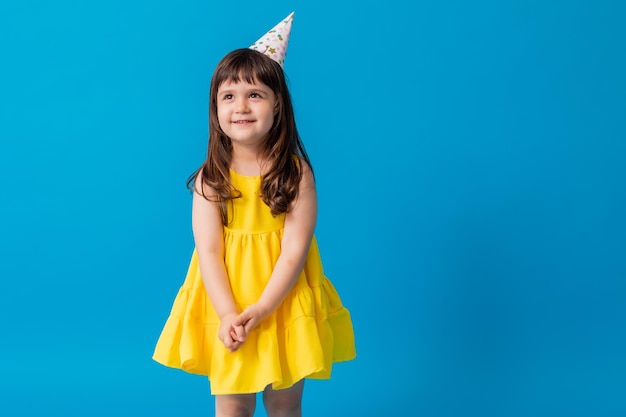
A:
(255, 313)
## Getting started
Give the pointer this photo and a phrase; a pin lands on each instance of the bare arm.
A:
(299, 227)
(208, 233)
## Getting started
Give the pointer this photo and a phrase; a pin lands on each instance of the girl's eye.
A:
(255, 95)
(228, 96)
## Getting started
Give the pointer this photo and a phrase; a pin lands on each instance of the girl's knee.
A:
(283, 409)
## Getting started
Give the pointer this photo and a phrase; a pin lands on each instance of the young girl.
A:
(255, 313)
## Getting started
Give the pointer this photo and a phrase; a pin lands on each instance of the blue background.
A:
(470, 159)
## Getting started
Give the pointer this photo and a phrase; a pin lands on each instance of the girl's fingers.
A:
(249, 326)
(231, 344)
(241, 319)
(239, 333)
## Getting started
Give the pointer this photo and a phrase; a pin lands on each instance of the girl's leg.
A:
(284, 402)
(235, 405)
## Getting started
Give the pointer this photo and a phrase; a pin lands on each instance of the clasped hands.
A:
(235, 328)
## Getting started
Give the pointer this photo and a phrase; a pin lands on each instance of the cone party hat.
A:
(274, 43)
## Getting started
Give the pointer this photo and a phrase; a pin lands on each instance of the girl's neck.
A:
(246, 161)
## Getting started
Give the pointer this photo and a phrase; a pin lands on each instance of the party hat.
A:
(274, 43)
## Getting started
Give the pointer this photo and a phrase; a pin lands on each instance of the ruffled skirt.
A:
(309, 331)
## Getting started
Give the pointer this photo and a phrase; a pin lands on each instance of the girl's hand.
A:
(231, 335)
(250, 318)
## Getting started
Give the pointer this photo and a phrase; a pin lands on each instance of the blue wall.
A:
(470, 159)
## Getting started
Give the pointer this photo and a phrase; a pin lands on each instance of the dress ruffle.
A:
(308, 332)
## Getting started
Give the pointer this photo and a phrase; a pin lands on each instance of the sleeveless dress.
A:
(309, 331)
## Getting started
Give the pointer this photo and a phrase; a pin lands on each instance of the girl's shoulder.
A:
(201, 185)
(307, 180)
(307, 169)
(302, 162)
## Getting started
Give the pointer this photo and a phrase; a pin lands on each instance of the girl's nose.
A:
(241, 106)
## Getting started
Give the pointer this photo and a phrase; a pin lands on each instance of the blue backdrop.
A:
(470, 159)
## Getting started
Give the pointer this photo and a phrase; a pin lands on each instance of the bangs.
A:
(243, 72)
(249, 66)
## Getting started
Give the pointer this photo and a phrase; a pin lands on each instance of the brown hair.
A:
(282, 150)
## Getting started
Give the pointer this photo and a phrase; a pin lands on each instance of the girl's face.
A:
(245, 111)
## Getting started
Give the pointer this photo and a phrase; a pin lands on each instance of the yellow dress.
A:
(309, 331)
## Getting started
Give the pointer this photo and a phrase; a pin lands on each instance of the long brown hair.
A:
(283, 150)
